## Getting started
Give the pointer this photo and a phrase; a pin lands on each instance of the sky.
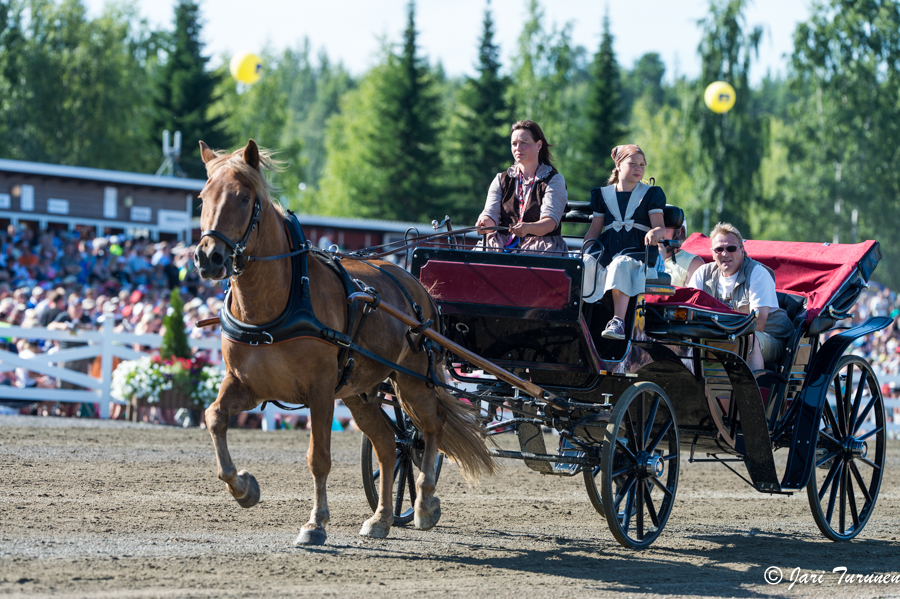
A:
(351, 31)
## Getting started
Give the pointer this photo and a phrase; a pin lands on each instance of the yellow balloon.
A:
(719, 97)
(246, 67)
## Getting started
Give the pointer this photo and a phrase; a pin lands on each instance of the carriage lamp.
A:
(677, 314)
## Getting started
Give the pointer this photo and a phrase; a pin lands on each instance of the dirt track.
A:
(92, 509)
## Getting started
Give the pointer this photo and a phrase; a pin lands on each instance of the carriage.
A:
(523, 351)
(623, 414)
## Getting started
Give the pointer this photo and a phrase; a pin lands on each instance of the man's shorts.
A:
(772, 347)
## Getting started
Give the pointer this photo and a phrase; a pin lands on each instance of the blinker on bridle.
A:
(237, 249)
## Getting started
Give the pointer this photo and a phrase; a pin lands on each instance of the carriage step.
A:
(545, 458)
(531, 441)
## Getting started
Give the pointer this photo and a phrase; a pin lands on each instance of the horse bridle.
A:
(238, 259)
(237, 249)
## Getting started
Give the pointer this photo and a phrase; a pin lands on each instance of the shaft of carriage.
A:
(489, 367)
(507, 377)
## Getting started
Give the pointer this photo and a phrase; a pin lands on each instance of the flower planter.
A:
(169, 402)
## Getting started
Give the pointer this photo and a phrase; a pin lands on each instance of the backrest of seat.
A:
(577, 212)
(792, 304)
(673, 216)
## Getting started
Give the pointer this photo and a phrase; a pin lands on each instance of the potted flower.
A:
(170, 380)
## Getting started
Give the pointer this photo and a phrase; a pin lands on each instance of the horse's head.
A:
(232, 200)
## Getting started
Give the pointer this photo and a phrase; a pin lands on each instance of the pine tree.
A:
(186, 91)
(413, 110)
(383, 155)
(732, 144)
(605, 115)
(477, 141)
(174, 341)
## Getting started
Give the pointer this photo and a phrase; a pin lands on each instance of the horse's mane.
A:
(234, 161)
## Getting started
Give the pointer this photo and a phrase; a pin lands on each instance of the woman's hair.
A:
(614, 176)
(544, 155)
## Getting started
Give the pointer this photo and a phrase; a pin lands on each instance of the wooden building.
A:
(102, 202)
(50, 196)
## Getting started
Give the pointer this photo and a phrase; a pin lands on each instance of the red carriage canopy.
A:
(815, 271)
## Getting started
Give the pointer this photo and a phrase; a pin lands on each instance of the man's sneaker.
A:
(615, 329)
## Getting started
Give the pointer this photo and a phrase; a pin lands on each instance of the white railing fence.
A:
(108, 344)
(104, 343)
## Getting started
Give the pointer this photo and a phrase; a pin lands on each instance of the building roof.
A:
(96, 174)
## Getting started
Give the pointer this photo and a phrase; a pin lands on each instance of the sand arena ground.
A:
(111, 509)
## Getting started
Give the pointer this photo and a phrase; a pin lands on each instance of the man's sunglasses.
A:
(725, 248)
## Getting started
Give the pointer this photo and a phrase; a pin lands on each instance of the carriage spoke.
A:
(869, 462)
(648, 427)
(662, 487)
(651, 509)
(622, 492)
(662, 433)
(411, 482)
(830, 456)
(829, 438)
(845, 405)
(854, 514)
(622, 444)
(632, 434)
(640, 422)
(831, 473)
(401, 491)
(639, 508)
(623, 471)
(842, 508)
(859, 480)
(874, 431)
(854, 411)
(629, 507)
(865, 413)
(835, 483)
(829, 416)
(838, 405)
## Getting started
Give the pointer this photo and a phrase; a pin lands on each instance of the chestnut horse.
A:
(305, 370)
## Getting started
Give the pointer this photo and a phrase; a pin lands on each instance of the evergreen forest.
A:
(807, 156)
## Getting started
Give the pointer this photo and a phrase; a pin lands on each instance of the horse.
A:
(237, 204)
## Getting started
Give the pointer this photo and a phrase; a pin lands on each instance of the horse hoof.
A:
(374, 529)
(251, 497)
(426, 520)
(311, 536)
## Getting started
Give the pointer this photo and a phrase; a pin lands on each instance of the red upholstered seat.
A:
(815, 271)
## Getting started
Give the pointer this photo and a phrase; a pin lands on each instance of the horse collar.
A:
(298, 318)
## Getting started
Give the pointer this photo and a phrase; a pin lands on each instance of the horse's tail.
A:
(464, 438)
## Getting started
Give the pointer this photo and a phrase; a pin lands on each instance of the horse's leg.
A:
(429, 417)
(232, 400)
(318, 458)
(370, 420)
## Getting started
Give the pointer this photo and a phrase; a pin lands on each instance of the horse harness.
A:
(298, 320)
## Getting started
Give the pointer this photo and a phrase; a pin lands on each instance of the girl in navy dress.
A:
(628, 215)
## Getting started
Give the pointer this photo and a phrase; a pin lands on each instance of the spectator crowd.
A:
(71, 279)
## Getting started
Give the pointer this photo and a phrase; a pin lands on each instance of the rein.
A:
(371, 253)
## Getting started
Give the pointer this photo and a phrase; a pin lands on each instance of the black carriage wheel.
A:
(410, 446)
(639, 465)
(593, 491)
(850, 452)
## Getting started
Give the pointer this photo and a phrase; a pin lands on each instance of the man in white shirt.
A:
(745, 285)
